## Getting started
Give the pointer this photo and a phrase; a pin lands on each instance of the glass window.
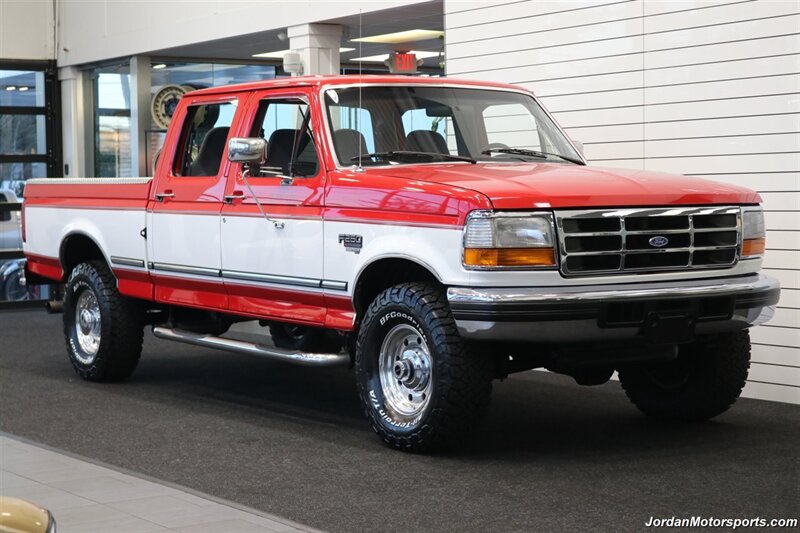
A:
(199, 75)
(21, 88)
(113, 90)
(286, 126)
(113, 146)
(205, 135)
(506, 124)
(439, 123)
(425, 133)
(352, 128)
(23, 134)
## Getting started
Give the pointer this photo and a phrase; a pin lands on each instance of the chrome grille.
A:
(615, 241)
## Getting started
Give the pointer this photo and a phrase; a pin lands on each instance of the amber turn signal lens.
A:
(754, 246)
(509, 257)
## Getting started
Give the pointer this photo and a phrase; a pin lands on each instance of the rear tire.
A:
(419, 385)
(103, 330)
(304, 338)
(704, 381)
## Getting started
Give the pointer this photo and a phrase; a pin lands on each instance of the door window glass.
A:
(286, 126)
(203, 139)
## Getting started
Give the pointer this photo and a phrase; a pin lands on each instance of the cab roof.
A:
(319, 81)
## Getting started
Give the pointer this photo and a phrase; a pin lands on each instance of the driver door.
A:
(272, 261)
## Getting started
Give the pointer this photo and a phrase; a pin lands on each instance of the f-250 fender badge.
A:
(352, 243)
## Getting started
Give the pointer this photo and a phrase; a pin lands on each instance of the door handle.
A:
(236, 195)
(161, 196)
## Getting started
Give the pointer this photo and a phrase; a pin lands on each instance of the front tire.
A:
(702, 382)
(419, 385)
(103, 329)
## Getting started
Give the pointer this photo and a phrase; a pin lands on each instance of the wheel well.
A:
(76, 249)
(384, 273)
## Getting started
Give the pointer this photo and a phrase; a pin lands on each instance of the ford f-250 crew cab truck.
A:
(435, 234)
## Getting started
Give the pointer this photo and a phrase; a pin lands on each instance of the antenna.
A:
(360, 168)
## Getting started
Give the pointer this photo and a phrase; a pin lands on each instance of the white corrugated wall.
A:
(706, 88)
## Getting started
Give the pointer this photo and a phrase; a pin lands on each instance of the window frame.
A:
(251, 130)
(51, 112)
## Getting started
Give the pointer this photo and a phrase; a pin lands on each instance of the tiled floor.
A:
(87, 498)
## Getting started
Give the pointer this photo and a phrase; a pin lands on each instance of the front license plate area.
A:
(661, 328)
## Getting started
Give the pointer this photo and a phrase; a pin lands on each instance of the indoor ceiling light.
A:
(159, 66)
(421, 54)
(401, 37)
(23, 89)
(279, 54)
(11, 88)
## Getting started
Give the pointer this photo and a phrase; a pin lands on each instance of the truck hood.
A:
(552, 185)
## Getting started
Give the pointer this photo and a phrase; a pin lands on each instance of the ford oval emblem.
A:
(659, 241)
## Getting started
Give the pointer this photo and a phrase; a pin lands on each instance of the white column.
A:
(77, 127)
(140, 114)
(318, 45)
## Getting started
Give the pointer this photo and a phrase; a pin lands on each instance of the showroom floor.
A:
(292, 442)
(89, 498)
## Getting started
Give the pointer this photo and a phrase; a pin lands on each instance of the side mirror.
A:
(247, 150)
(579, 146)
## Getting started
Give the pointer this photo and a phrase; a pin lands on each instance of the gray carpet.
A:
(552, 456)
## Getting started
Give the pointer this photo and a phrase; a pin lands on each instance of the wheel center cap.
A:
(85, 320)
(411, 370)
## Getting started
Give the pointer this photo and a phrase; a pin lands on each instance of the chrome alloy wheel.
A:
(405, 371)
(87, 326)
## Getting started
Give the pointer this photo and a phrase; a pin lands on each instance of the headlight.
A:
(753, 233)
(509, 240)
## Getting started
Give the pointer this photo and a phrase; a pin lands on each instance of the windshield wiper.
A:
(401, 154)
(531, 153)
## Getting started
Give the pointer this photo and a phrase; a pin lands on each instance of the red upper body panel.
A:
(554, 185)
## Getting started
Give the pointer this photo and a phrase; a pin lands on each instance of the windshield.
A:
(391, 125)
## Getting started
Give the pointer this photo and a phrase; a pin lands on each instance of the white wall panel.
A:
(740, 13)
(704, 146)
(471, 13)
(528, 55)
(26, 30)
(703, 87)
(678, 129)
(783, 84)
(710, 71)
(709, 34)
(660, 7)
(728, 51)
(776, 181)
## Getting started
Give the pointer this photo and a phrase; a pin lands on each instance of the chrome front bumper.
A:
(624, 311)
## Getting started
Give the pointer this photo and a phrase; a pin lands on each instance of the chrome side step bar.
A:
(249, 348)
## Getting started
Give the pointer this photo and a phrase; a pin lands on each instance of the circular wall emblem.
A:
(659, 241)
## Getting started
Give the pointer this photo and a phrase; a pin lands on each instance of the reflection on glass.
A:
(21, 88)
(13, 175)
(113, 147)
(22, 134)
(200, 75)
(113, 90)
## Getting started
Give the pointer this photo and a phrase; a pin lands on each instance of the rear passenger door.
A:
(184, 215)
(273, 267)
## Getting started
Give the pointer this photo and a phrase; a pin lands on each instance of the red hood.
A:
(528, 185)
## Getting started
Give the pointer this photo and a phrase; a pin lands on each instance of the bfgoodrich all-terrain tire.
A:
(705, 380)
(418, 383)
(103, 330)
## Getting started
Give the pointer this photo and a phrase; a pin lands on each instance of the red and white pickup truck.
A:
(433, 233)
